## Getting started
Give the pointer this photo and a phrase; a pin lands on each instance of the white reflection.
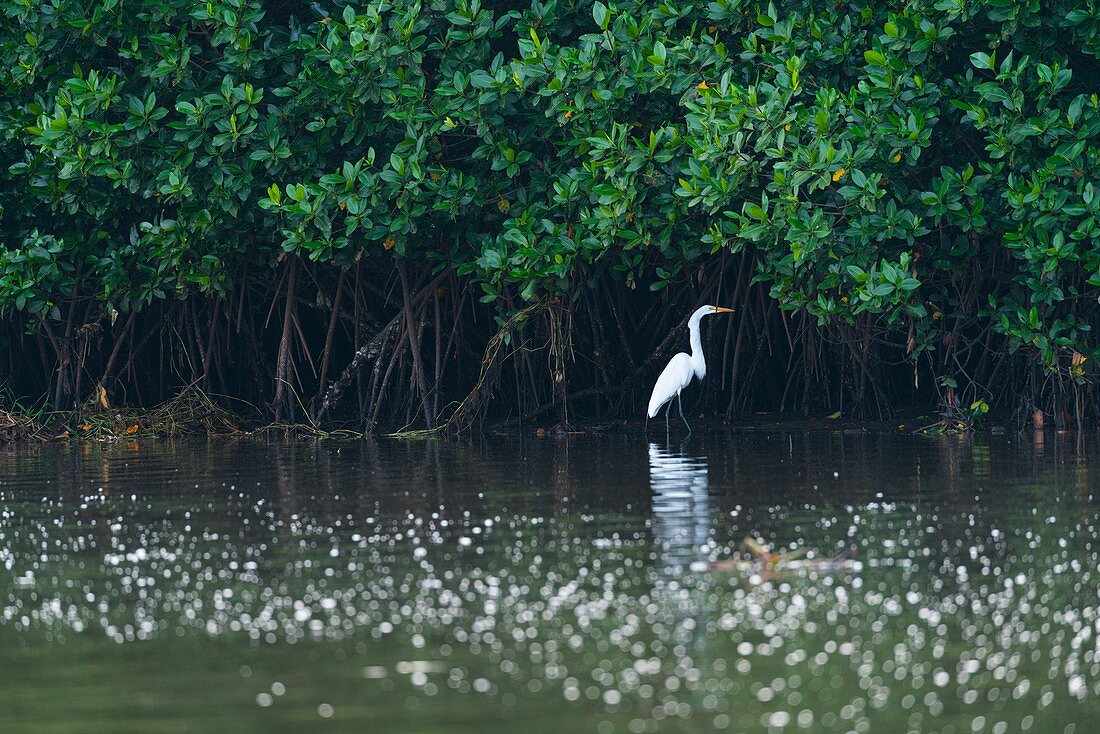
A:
(681, 504)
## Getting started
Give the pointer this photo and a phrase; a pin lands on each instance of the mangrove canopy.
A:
(411, 213)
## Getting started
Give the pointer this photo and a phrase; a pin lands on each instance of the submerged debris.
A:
(762, 562)
(192, 412)
(15, 427)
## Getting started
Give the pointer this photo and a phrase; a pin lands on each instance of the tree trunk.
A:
(284, 406)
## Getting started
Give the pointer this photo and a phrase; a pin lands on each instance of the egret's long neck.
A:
(697, 360)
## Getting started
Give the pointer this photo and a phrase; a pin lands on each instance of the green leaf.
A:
(601, 15)
(981, 60)
(874, 58)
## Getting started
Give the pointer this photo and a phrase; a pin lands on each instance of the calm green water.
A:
(552, 586)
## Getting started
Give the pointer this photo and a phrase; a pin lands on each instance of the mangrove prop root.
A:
(475, 401)
(284, 406)
(365, 354)
(371, 350)
(770, 359)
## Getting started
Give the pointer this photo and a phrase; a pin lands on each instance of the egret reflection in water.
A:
(681, 503)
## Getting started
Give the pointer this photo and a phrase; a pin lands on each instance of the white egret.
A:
(681, 368)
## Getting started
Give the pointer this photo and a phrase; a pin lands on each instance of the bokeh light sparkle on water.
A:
(574, 584)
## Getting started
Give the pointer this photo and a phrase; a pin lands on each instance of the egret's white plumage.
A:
(680, 370)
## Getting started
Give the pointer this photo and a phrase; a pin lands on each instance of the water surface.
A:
(552, 585)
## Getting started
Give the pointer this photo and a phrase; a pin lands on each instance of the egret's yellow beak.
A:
(722, 309)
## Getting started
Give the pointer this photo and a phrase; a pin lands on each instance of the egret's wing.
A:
(675, 377)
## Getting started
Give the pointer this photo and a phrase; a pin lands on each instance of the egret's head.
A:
(707, 311)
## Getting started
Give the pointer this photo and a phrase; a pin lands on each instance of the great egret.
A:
(681, 368)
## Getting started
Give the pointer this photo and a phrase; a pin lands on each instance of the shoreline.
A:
(21, 427)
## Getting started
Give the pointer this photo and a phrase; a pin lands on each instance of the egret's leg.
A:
(680, 405)
(668, 409)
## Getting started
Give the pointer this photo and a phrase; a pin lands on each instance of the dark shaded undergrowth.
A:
(333, 350)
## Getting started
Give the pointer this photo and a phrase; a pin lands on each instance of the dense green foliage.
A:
(919, 174)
